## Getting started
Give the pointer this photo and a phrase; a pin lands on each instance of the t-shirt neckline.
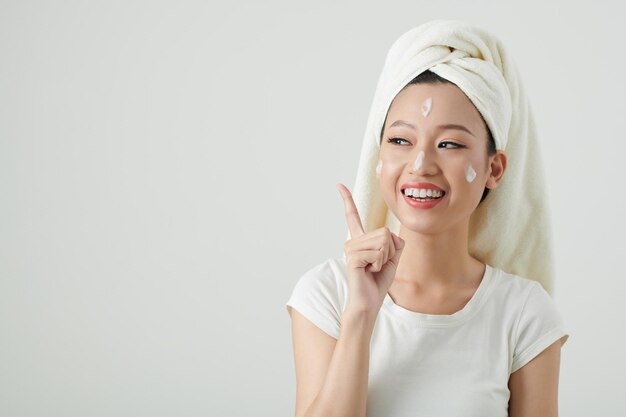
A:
(444, 320)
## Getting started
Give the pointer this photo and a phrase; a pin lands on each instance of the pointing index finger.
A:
(352, 214)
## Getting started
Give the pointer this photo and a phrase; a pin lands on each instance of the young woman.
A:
(413, 323)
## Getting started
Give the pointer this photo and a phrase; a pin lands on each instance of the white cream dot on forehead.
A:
(426, 106)
(418, 161)
(470, 174)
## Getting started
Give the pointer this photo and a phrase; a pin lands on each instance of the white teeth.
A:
(422, 192)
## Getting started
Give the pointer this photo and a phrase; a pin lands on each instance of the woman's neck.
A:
(437, 262)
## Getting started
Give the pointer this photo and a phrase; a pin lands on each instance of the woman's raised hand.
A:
(371, 258)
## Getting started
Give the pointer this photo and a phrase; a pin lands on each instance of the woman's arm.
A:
(332, 385)
(535, 386)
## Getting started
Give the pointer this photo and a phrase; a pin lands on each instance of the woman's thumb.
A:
(398, 242)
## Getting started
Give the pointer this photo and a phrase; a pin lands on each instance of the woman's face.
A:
(417, 147)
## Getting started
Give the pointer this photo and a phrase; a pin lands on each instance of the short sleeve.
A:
(540, 324)
(316, 297)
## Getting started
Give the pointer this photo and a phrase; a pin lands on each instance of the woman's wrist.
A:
(359, 317)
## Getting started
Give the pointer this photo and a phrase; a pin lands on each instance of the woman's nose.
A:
(423, 162)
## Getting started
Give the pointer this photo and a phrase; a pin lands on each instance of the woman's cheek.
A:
(388, 168)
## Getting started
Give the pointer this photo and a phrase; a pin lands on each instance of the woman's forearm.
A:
(344, 392)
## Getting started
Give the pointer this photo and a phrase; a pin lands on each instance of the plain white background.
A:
(168, 171)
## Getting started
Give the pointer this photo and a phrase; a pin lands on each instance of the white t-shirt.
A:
(441, 365)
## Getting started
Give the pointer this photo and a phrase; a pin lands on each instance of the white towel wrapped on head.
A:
(511, 228)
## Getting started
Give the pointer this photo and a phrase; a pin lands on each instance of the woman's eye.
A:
(456, 145)
(394, 140)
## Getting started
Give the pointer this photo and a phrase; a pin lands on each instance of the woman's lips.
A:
(425, 185)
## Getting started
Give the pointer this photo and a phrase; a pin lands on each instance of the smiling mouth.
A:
(425, 198)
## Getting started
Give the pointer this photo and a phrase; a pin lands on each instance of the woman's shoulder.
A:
(510, 281)
(321, 293)
(514, 288)
(332, 268)
(328, 276)
(536, 317)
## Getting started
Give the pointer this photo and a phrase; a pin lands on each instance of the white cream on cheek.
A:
(470, 173)
(379, 167)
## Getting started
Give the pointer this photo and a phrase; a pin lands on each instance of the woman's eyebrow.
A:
(440, 127)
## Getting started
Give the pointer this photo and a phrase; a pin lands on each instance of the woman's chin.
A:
(421, 226)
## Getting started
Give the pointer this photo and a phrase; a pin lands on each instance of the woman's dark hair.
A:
(429, 77)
